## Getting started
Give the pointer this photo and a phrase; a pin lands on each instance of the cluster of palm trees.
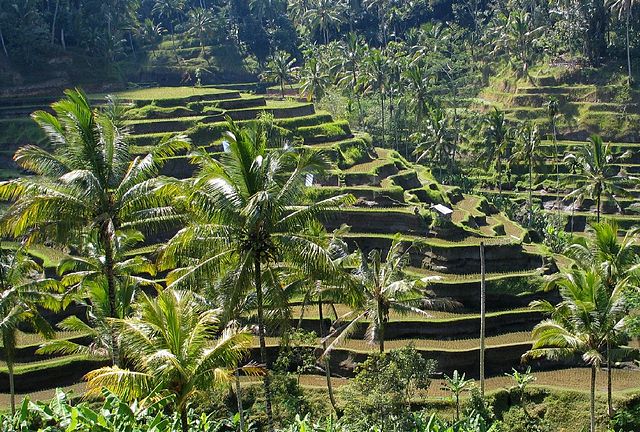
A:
(243, 247)
(591, 320)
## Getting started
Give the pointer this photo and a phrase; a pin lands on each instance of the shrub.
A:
(383, 388)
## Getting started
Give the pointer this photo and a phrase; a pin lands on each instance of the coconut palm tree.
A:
(383, 288)
(527, 150)
(281, 69)
(497, 135)
(325, 15)
(351, 55)
(173, 344)
(23, 290)
(438, 140)
(170, 11)
(89, 182)
(201, 25)
(314, 79)
(581, 324)
(246, 212)
(85, 284)
(595, 165)
(615, 259)
(624, 9)
(375, 79)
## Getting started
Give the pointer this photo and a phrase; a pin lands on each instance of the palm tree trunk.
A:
(109, 265)
(628, 49)
(555, 143)
(382, 114)
(184, 420)
(239, 399)
(9, 342)
(55, 18)
(598, 209)
(282, 88)
(609, 385)
(263, 343)
(457, 406)
(530, 191)
(592, 399)
(483, 302)
(380, 327)
(4, 47)
(327, 364)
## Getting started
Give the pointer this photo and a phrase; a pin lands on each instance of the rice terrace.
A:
(307, 215)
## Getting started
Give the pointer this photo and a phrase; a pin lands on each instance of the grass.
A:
(160, 93)
(41, 365)
(311, 312)
(33, 339)
(454, 345)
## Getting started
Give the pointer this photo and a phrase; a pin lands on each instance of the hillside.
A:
(394, 198)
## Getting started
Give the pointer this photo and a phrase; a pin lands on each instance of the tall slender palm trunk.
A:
(629, 79)
(9, 342)
(263, 344)
(109, 266)
(592, 400)
(327, 363)
(483, 302)
(555, 144)
(239, 400)
(381, 327)
(609, 384)
(184, 419)
(4, 46)
(530, 191)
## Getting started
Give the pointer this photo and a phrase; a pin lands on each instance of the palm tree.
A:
(375, 80)
(172, 345)
(314, 79)
(383, 288)
(625, 7)
(325, 15)
(88, 183)
(528, 151)
(85, 284)
(169, 10)
(615, 260)
(350, 60)
(246, 210)
(581, 324)
(595, 163)
(437, 141)
(457, 384)
(496, 141)
(201, 25)
(23, 290)
(281, 69)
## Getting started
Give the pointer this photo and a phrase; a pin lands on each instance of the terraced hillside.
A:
(394, 198)
(586, 106)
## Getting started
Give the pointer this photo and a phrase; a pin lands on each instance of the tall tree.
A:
(581, 323)
(23, 291)
(436, 143)
(172, 344)
(281, 69)
(88, 183)
(324, 16)
(375, 80)
(527, 150)
(596, 166)
(383, 288)
(624, 9)
(496, 141)
(553, 109)
(247, 208)
(615, 260)
(314, 79)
